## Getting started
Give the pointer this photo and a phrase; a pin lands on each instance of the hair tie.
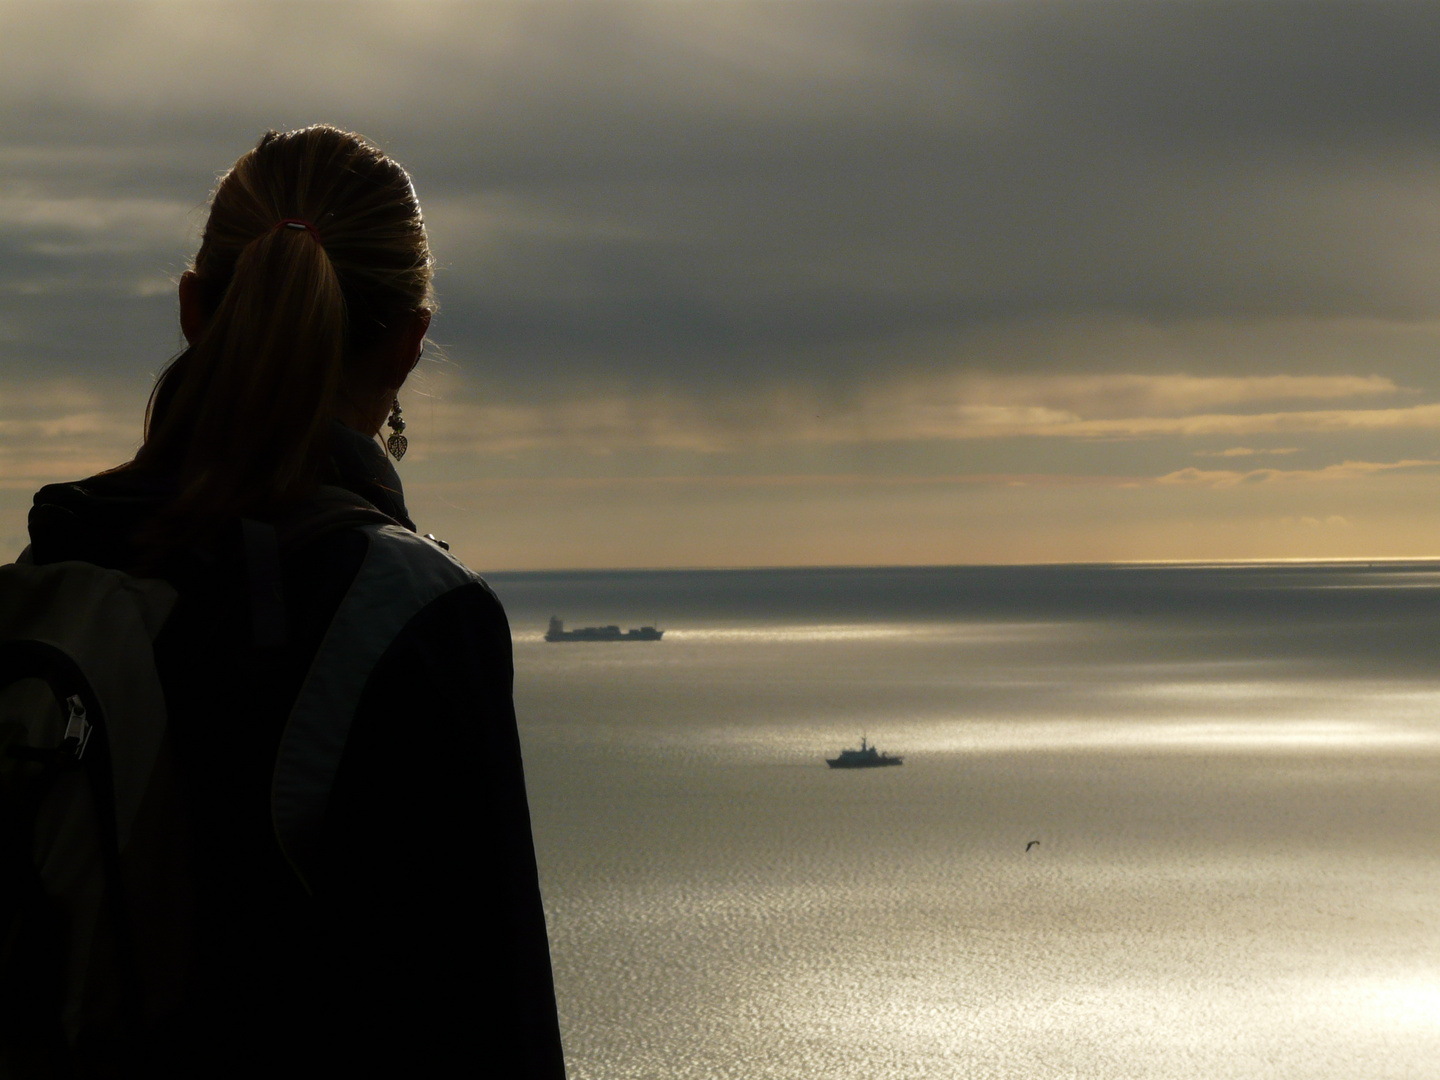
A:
(301, 223)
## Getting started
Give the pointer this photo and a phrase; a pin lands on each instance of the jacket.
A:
(365, 885)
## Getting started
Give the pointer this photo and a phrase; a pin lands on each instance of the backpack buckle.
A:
(77, 728)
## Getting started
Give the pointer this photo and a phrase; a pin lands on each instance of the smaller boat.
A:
(867, 757)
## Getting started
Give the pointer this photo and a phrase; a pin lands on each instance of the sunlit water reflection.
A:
(1234, 777)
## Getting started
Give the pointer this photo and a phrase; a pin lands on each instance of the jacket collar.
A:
(359, 464)
(95, 519)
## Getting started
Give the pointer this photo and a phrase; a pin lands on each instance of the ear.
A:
(192, 318)
(406, 353)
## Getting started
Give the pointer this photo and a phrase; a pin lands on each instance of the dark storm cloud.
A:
(681, 194)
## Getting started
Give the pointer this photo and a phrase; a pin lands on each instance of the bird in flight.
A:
(1032, 843)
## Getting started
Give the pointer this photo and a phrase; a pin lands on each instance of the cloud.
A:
(60, 430)
(912, 409)
(1161, 73)
(1325, 421)
(1122, 394)
(914, 418)
(1245, 451)
(964, 238)
(1349, 470)
(37, 212)
(665, 195)
(45, 419)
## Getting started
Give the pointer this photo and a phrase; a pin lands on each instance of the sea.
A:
(1230, 775)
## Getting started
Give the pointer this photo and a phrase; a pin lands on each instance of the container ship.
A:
(557, 632)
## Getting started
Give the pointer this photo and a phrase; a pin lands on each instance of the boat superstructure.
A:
(867, 757)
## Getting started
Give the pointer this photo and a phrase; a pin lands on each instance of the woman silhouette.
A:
(361, 876)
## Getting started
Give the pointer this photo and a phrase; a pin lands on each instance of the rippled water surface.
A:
(1233, 773)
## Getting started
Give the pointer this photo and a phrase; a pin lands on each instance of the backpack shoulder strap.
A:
(330, 510)
(402, 574)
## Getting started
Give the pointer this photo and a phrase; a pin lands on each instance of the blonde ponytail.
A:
(241, 419)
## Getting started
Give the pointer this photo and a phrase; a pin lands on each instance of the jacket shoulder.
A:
(398, 555)
(401, 559)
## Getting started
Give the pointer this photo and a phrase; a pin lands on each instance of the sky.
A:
(800, 283)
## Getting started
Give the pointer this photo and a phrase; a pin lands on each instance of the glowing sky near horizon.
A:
(795, 283)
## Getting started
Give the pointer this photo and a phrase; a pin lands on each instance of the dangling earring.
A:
(397, 444)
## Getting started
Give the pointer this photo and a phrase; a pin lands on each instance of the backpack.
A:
(96, 903)
(82, 727)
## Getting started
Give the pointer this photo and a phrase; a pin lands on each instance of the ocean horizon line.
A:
(1196, 564)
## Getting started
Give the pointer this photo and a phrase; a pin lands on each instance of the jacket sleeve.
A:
(426, 875)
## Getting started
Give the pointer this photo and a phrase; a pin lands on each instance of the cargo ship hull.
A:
(557, 632)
